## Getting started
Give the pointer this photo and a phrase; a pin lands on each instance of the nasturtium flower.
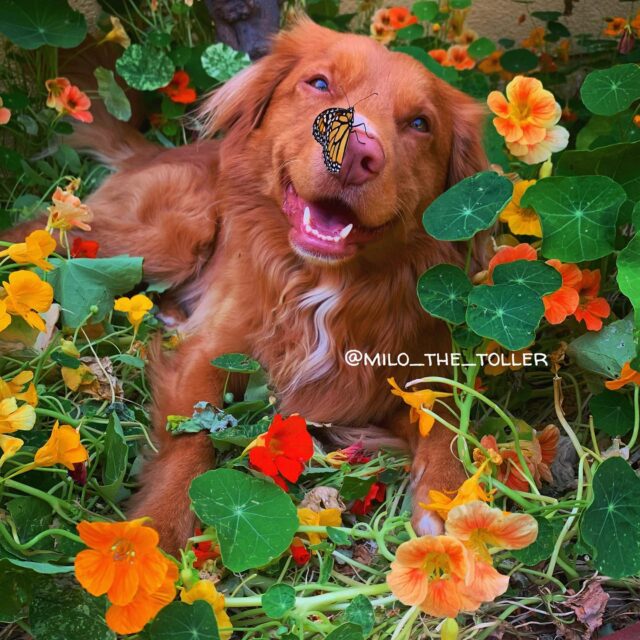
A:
(506, 254)
(417, 400)
(67, 99)
(36, 247)
(562, 303)
(458, 57)
(55, 88)
(615, 26)
(627, 376)
(299, 552)
(68, 212)
(206, 590)
(535, 39)
(555, 139)
(9, 447)
(145, 605)
(591, 308)
(491, 64)
(117, 34)
(479, 527)
(523, 221)
(376, 493)
(205, 550)
(5, 114)
(14, 418)
(63, 447)
(353, 454)
(5, 317)
(281, 452)
(16, 388)
(400, 17)
(28, 296)
(178, 89)
(381, 29)
(84, 248)
(323, 518)
(136, 308)
(440, 56)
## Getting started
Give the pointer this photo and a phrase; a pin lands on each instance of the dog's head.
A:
(413, 136)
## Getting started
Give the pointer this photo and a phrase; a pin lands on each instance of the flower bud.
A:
(449, 630)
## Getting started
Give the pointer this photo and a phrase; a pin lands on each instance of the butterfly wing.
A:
(338, 131)
(321, 125)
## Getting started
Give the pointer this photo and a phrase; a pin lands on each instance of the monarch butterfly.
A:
(332, 129)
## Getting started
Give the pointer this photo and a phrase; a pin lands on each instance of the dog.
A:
(272, 255)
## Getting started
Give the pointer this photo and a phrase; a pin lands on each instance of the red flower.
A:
(79, 473)
(204, 551)
(178, 89)
(376, 493)
(400, 17)
(563, 302)
(300, 554)
(84, 248)
(506, 254)
(281, 452)
(591, 308)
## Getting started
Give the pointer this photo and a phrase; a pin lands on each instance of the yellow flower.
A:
(5, 318)
(14, 418)
(36, 247)
(117, 33)
(136, 308)
(78, 377)
(206, 590)
(324, 518)
(28, 295)
(15, 388)
(63, 447)
(469, 490)
(523, 221)
(68, 211)
(424, 398)
(10, 446)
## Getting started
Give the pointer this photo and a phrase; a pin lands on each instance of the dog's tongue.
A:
(330, 217)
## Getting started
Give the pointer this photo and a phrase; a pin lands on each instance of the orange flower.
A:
(491, 64)
(459, 58)
(417, 400)
(591, 309)
(68, 212)
(562, 303)
(521, 220)
(440, 56)
(63, 447)
(281, 452)
(506, 254)
(627, 376)
(479, 526)
(145, 605)
(37, 246)
(5, 114)
(400, 17)
(28, 296)
(535, 40)
(178, 89)
(67, 99)
(122, 558)
(56, 87)
(615, 26)
(136, 308)
(635, 24)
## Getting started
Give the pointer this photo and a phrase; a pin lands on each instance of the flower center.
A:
(436, 565)
(123, 551)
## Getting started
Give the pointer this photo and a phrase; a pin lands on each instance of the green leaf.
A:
(411, 32)
(242, 434)
(10, 159)
(81, 283)
(578, 215)
(30, 24)
(16, 586)
(338, 536)
(547, 16)
(618, 161)
(609, 91)
(481, 48)
(44, 568)
(542, 547)
(611, 524)
(182, 621)
(604, 352)
(115, 99)
(354, 488)
(347, 631)
(459, 4)
(114, 456)
(145, 68)
(236, 363)
(603, 131)
(443, 291)
(471, 205)
(628, 272)
(466, 338)
(205, 417)
(506, 313)
(360, 612)
(518, 60)
(254, 519)
(62, 610)
(30, 516)
(541, 278)
(222, 62)
(278, 599)
(612, 413)
(425, 11)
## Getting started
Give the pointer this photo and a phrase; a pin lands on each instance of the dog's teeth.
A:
(306, 217)
(346, 231)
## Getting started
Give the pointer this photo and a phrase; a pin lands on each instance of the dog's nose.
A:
(363, 158)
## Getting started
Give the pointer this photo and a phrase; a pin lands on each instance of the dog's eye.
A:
(320, 83)
(420, 124)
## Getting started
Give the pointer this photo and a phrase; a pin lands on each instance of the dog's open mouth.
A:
(326, 229)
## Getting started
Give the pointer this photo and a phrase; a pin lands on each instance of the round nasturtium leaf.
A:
(518, 60)
(31, 24)
(629, 269)
(425, 11)
(254, 519)
(541, 278)
(465, 338)
(471, 205)
(506, 313)
(443, 291)
(412, 32)
(182, 621)
(360, 612)
(222, 62)
(278, 599)
(611, 524)
(145, 68)
(236, 363)
(609, 91)
(612, 413)
(578, 215)
(542, 547)
(481, 48)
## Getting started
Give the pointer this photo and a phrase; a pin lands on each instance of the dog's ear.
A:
(467, 153)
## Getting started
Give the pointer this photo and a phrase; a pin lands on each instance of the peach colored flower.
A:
(562, 303)
(5, 114)
(627, 376)
(458, 57)
(591, 308)
(440, 56)
(56, 87)
(67, 99)
(381, 29)
(555, 139)
(68, 212)
(37, 246)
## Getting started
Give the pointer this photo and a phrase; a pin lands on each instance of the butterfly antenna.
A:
(373, 93)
